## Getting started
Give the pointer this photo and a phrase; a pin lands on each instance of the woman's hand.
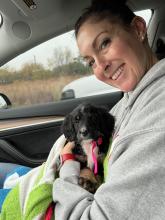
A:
(66, 152)
(67, 149)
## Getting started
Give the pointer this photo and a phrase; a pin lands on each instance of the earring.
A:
(142, 37)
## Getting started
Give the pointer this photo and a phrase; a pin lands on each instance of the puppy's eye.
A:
(77, 118)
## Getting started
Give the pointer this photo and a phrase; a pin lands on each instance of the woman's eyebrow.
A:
(94, 44)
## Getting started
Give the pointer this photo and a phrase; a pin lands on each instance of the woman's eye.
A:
(105, 43)
(91, 63)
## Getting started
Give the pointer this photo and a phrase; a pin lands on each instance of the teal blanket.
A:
(31, 196)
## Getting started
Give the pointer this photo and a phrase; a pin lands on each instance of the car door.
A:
(27, 133)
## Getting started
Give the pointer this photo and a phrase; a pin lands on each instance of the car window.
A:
(39, 75)
(44, 73)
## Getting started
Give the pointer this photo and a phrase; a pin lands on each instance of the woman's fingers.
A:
(68, 148)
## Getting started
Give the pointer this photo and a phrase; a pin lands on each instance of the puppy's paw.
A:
(88, 181)
(87, 185)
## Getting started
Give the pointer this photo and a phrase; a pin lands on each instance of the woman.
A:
(114, 43)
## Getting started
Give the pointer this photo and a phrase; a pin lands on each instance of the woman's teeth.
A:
(117, 73)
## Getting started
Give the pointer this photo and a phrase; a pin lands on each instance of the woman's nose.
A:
(100, 66)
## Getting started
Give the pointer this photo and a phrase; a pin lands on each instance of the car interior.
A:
(27, 133)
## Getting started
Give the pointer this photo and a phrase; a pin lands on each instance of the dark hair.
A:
(106, 9)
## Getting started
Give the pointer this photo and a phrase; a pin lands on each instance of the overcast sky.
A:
(44, 51)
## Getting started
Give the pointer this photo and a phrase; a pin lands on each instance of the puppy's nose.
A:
(83, 132)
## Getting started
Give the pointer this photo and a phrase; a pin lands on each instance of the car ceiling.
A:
(27, 23)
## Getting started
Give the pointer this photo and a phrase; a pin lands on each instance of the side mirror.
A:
(4, 101)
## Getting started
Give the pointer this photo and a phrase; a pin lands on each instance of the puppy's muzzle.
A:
(83, 134)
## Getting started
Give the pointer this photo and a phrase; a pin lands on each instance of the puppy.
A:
(91, 128)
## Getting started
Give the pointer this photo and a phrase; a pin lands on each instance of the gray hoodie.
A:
(135, 185)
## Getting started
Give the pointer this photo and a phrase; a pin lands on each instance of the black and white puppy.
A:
(91, 128)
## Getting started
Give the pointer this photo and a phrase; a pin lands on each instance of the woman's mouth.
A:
(117, 72)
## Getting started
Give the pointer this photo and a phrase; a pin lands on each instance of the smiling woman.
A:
(134, 183)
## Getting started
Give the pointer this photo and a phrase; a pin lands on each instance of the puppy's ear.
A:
(108, 122)
(68, 128)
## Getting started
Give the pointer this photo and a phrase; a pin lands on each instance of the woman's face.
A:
(117, 56)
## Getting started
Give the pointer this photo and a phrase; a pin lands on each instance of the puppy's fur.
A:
(85, 124)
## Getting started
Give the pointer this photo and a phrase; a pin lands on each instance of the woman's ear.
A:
(138, 25)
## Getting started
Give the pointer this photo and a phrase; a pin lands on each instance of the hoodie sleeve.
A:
(134, 188)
